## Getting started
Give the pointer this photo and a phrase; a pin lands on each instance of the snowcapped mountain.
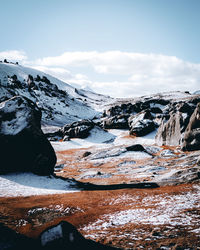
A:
(60, 102)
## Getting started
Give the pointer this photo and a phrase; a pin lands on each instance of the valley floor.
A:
(166, 217)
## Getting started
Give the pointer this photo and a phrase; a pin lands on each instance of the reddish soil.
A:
(113, 217)
(86, 207)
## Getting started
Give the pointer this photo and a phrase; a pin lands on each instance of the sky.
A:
(121, 48)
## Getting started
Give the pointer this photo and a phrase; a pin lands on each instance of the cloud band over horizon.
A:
(117, 73)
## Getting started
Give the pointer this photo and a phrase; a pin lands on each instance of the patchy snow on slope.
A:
(156, 210)
(26, 184)
(60, 102)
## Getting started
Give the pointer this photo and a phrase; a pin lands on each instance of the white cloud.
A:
(141, 73)
(13, 55)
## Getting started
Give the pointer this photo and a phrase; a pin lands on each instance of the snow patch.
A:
(27, 184)
(97, 137)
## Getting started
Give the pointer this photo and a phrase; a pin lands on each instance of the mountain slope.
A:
(60, 103)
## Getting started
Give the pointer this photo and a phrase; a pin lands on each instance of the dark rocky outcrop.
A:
(136, 106)
(191, 139)
(23, 146)
(116, 122)
(79, 129)
(136, 147)
(141, 124)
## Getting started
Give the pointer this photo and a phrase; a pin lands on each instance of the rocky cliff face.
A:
(174, 123)
(191, 139)
(182, 126)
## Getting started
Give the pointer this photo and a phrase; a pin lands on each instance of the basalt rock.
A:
(23, 146)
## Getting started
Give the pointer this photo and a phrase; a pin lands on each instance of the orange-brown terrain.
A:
(166, 217)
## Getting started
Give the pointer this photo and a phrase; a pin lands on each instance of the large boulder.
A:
(23, 146)
(116, 122)
(141, 124)
(191, 139)
(79, 129)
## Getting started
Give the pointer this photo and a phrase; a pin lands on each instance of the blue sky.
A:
(40, 29)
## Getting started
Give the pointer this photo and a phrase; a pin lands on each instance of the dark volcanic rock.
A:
(78, 129)
(136, 147)
(116, 122)
(141, 124)
(23, 145)
(87, 153)
(191, 140)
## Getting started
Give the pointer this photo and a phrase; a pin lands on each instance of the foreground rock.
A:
(61, 236)
(23, 145)
(79, 129)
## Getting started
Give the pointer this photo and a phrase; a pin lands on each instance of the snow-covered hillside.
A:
(60, 103)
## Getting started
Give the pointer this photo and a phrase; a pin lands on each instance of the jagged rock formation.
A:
(191, 139)
(173, 125)
(171, 112)
(169, 132)
(139, 115)
(23, 145)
